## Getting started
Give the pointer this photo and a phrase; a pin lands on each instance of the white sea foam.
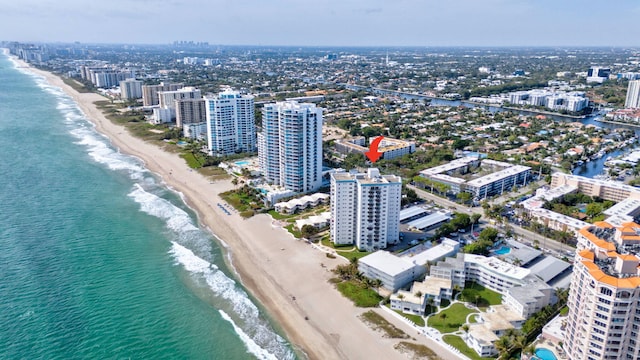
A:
(259, 338)
(177, 219)
(101, 152)
(251, 345)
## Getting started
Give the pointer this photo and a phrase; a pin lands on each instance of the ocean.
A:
(99, 259)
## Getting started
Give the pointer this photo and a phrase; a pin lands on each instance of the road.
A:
(526, 236)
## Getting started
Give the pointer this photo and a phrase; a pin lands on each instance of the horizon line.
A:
(326, 46)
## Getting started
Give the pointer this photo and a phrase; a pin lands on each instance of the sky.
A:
(326, 22)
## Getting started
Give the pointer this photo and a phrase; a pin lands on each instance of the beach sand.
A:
(271, 264)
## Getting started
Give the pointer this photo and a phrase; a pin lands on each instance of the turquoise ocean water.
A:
(98, 259)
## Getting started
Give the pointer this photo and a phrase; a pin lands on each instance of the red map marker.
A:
(373, 154)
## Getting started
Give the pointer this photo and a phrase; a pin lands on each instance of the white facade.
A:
(131, 89)
(161, 116)
(167, 102)
(394, 272)
(166, 99)
(195, 131)
(290, 148)
(150, 92)
(633, 95)
(230, 123)
(365, 209)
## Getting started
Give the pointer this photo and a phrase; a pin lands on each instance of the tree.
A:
(234, 181)
(475, 217)
(464, 197)
(418, 294)
(593, 209)
(503, 344)
(308, 230)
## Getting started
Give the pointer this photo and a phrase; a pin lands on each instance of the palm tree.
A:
(520, 341)
(376, 283)
(418, 294)
(430, 303)
(503, 344)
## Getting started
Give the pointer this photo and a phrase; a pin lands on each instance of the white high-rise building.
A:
(633, 95)
(604, 310)
(365, 209)
(290, 145)
(130, 89)
(167, 101)
(150, 92)
(230, 123)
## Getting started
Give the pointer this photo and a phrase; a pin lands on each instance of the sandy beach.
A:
(283, 273)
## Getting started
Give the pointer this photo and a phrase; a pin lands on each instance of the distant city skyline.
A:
(327, 23)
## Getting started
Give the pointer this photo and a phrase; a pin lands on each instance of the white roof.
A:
(497, 266)
(455, 164)
(624, 208)
(410, 212)
(387, 262)
(447, 248)
(496, 176)
(430, 220)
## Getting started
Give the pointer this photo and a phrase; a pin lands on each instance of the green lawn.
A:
(361, 296)
(458, 343)
(191, 160)
(277, 216)
(416, 319)
(479, 295)
(453, 318)
(351, 254)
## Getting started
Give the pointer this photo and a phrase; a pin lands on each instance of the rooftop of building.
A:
(387, 262)
(605, 183)
(522, 253)
(498, 266)
(611, 254)
(387, 144)
(372, 176)
(549, 268)
(502, 174)
(446, 248)
(430, 220)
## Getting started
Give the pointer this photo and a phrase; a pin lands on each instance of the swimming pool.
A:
(545, 354)
(242, 163)
(503, 250)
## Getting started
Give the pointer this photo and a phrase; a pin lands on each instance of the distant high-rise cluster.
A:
(365, 209)
(633, 95)
(230, 123)
(290, 145)
(103, 76)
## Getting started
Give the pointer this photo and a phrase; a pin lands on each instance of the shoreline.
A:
(284, 274)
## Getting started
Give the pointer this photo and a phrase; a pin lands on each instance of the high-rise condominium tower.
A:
(365, 209)
(230, 123)
(290, 145)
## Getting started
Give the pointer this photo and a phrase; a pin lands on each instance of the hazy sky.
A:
(326, 22)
